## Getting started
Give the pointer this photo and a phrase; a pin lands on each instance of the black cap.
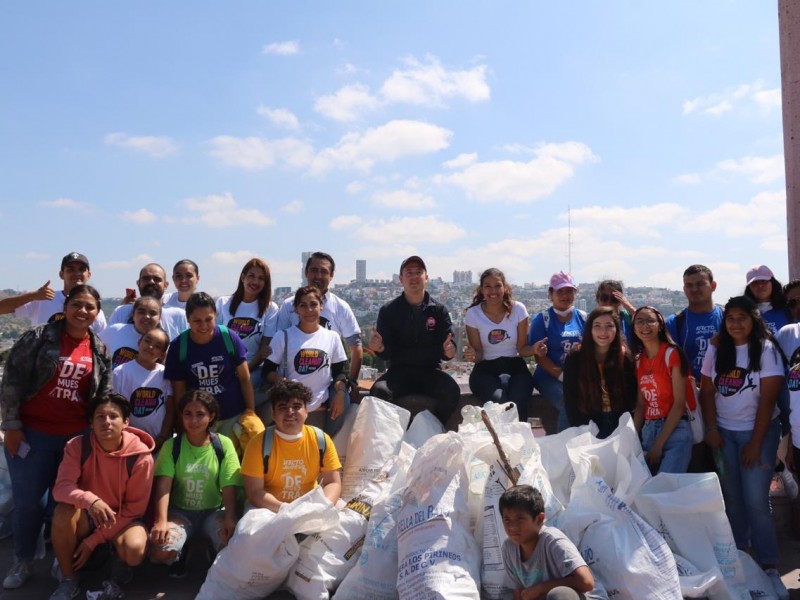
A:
(413, 259)
(74, 257)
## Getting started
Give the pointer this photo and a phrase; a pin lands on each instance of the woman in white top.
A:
(497, 329)
(185, 276)
(314, 356)
(122, 339)
(741, 379)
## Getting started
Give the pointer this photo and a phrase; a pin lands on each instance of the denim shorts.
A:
(184, 523)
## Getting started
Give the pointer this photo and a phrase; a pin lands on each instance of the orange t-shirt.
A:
(655, 382)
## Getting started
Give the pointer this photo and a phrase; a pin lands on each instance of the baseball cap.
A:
(759, 273)
(413, 259)
(562, 280)
(74, 257)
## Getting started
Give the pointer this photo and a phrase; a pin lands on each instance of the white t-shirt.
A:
(173, 301)
(738, 392)
(247, 324)
(148, 392)
(122, 341)
(173, 320)
(336, 315)
(497, 339)
(310, 358)
(789, 340)
(40, 312)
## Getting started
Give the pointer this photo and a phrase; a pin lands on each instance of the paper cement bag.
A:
(423, 427)
(341, 438)
(263, 549)
(368, 452)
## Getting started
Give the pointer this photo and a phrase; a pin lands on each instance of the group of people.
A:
(213, 371)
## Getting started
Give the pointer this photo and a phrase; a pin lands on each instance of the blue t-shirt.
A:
(561, 337)
(211, 368)
(693, 337)
(775, 318)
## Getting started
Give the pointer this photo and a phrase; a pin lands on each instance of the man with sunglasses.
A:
(693, 326)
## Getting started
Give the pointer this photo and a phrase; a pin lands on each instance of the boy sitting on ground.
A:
(541, 562)
(285, 461)
(102, 489)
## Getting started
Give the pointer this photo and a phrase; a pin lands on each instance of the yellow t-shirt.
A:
(293, 466)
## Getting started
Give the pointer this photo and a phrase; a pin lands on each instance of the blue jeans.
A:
(322, 417)
(677, 451)
(485, 383)
(31, 478)
(746, 492)
(552, 390)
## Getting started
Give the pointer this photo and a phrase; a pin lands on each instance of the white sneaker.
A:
(17, 575)
(777, 584)
(789, 484)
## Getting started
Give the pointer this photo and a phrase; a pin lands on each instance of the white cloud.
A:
(221, 210)
(403, 199)
(689, 178)
(764, 215)
(347, 103)
(648, 220)
(407, 230)
(461, 161)
(758, 169)
(293, 207)
(155, 146)
(134, 263)
(719, 103)
(282, 48)
(354, 187)
(282, 117)
(67, 203)
(430, 83)
(426, 83)
(141, 216)
(387, 143)
(232, 258)
(254, 153)
(513, 181)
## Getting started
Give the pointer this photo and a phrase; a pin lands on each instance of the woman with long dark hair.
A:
(741, 379)
(767, 293)
(662, 370)
(600, 377)
(497, 328)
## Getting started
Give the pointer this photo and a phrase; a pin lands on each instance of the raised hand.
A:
(45, 292)
(376, 341)
(469, 354)
(449, 347)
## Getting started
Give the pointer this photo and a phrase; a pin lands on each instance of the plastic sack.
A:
(263, 549)
(626, 555)
(694, 582)
(689, 511)
(618, 459)
(423, 427)
(341, 438)
(556, 462)
(326, 557)
(367, 452)
(438, 557)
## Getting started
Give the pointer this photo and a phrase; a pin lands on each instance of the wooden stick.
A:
(512, 473)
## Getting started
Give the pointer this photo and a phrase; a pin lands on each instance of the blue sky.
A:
(460, 131)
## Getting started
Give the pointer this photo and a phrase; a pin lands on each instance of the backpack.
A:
(269, 440)
(680, 323)
(86, 451)
(219, 451)
(183, 343)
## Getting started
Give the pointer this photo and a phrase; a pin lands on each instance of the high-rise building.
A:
(361, 270)
(304, 259)
(462, 276)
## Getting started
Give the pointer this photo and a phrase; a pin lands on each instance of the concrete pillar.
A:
(789, 26)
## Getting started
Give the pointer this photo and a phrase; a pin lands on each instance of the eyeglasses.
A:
(608, 298)
(792, 303)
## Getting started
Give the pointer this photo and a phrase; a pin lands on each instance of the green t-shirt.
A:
(195, 485)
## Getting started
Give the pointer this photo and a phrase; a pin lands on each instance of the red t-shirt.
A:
(655, 382)
(59, 407)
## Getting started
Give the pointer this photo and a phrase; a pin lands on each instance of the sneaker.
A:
(789, 484)
(66, 590)
(17, 575)
(777, 585)
(121, 573)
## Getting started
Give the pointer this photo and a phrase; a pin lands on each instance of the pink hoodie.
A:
(104, 476)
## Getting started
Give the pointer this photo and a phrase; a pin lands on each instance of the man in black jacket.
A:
(414, 333)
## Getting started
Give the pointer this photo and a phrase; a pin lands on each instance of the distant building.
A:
(462, 276)
(582, 304)
(281, 293)
(304, 259)
(361, 271)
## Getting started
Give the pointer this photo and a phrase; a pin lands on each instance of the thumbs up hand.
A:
(45, 292)
(376, 341)
(449, 347)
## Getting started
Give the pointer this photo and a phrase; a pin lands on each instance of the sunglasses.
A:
(608, 298)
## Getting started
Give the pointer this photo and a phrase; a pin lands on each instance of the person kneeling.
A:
(285, 461)
(540, 561)
(102, 489)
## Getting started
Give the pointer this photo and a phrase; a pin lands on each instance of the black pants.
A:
(398, 382)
